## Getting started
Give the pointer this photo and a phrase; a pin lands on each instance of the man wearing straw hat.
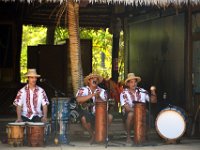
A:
(30, 99)
(89, 94)
(131, 94)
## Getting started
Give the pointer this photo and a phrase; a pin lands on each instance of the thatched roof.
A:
(95, 14)
(126, 2)
(147, 2)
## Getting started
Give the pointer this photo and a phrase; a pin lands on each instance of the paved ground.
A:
(116, 144)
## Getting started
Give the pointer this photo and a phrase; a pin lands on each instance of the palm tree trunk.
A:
(74, 45)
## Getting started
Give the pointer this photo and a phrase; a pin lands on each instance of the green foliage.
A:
(60, 36)
(102, 45)
(31, 36)
(101, 50)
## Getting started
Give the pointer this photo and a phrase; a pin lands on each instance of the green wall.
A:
(156, 53)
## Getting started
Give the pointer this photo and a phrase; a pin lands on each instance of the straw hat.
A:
(131, 76)
(93, 75)
(32, 73)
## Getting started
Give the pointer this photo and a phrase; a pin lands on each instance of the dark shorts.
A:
(90, 118)
(34, 119)
(124, 116)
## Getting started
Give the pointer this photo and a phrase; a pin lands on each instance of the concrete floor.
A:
(117, 143)
(185, 145)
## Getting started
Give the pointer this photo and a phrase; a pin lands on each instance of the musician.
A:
(131, 94)
(30, 99)
(86, 97)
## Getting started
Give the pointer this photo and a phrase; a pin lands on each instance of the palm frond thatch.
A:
(126, 2)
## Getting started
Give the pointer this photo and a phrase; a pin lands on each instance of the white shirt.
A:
(84, 91)
(128, 97)
(31, 101)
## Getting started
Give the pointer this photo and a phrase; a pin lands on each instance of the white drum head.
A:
(170, 124)
(102, 95)
(35, 123)
(17, 123)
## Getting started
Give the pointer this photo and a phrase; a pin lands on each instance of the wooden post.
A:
(115, 57)
(188, 59)
(17, 48)
(126, 58)
(50, 35)
(115, 30)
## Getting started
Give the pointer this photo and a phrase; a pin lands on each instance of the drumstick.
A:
(195, 120)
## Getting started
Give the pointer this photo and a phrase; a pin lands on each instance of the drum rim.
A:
(161, 135)
(35, 124)
(16, 124)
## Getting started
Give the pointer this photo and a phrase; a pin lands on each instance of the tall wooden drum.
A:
(35, 134)
(139, 123)
(15, 133)
(100, 121)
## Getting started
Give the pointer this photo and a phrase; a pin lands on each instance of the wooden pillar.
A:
(115, 57)
(115, 30)
(126, 48)
(188, 59)
(18, 44)
(116, 26)
(50, 35)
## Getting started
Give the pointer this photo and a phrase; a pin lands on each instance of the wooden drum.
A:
(139, 123)
(35, 133)
(15, 132)
(100, 121)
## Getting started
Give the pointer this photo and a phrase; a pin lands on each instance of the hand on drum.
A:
(96, 94)
(44, 119)
(19, 120)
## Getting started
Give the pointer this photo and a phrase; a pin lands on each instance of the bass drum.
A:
(171, 123)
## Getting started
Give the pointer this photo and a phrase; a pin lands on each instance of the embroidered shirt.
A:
(31, 101)
(128, 97)
(84, 91)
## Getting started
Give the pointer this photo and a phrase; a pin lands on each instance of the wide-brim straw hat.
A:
(32, 73)
(131, 76)
(93, 75)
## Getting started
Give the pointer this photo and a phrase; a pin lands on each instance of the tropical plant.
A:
(101, 49)
(74, 45)
(31, 36)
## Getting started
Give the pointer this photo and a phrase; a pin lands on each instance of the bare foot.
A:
(128, 139)
(92, 140)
